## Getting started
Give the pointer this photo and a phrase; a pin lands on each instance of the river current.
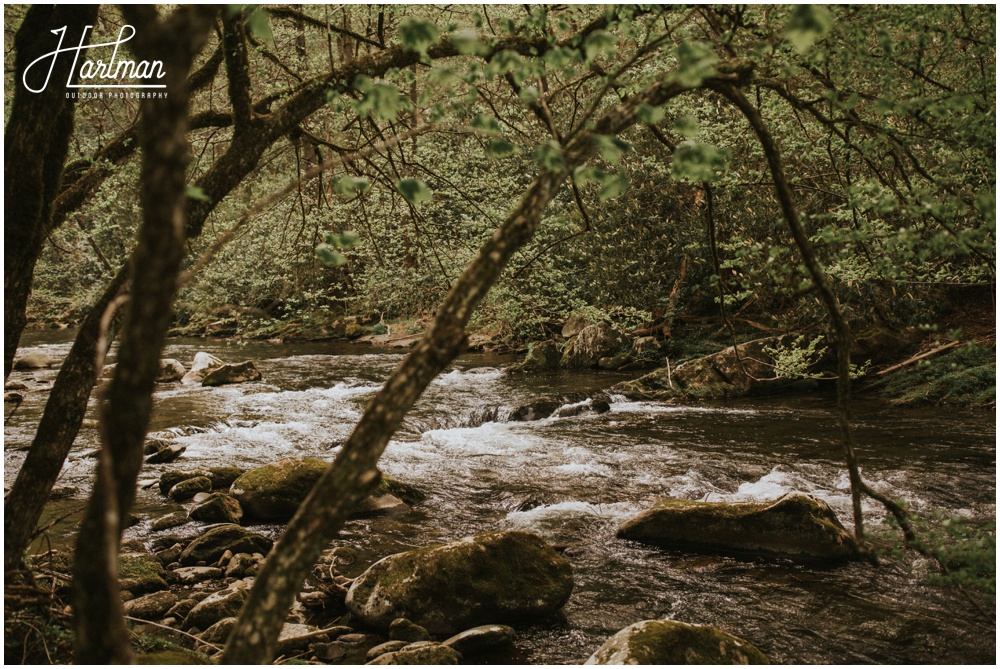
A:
(575, 480)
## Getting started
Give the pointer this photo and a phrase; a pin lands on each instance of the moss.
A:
(794, 526)
(140, 574)
(669, 642)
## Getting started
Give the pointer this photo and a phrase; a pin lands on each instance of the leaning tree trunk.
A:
(36, 143)
(353, 474)
(101, 636)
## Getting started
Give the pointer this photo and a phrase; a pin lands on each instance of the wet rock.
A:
(489, 578)
(140, 573)
(794, 526)
(404, 491)
(192, 575)
(171, 478)
(242, 565)
(166, 453)
(274, 491)
(189, 488)
(34, 360)
(595, 406)
(171, 520)
(433, 653)
(218, 508)
(170, 370)
(402, 629)
(169, 555)
(290, 638)
(383, 648)
(536, 409)
(383, 505)
(482, 639)
(720, 375)
(574, 325)
(202, 364)
(241, 372)
(544, 355)
(223, 477)
(62, 491)
(151, 606)
(13, 398)
(181, 608)
(15, 385)
(210, 546)
(215, 607)
(328, 652)
(593, 343)
(667, 642)
(615, 361)
(219, 632)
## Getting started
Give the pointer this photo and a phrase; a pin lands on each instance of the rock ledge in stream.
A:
(273, 492)
(667, 642)
(240, 372)
(795, 526)
(497, 577)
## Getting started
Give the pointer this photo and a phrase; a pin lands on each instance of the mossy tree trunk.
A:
(101, 636)
(36, 143)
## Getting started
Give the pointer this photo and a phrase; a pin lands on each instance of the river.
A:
(574, 480)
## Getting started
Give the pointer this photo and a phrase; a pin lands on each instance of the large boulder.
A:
(732, 372)
(275, 491)
(211, 545)
(151, 606)
(667, 642)
(497, 577)
(202, 364)
(170, 370)
(795, 525)
(593, 343)
(34, 360)
(240, 372)
(542, 355)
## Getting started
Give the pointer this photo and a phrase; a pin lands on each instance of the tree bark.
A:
(36, 143)
(101, 636)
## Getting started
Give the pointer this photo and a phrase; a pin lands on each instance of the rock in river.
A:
(497, 577)
(218, 508)
(211, 545)
(794, 526)
(233, 373)
(34, 360)
(667, 642)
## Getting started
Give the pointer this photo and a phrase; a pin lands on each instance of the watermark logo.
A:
(96, 74)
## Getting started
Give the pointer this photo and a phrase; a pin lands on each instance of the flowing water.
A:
(574, 480)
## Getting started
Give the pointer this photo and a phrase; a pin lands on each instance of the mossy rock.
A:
(218, 508)
(189, 488)
(497, 577)
(795, 526)
(424, 653)
(593, 343)
(353, 331)
(210, 546)
(275, 491)
(726, 374)
(543, 355)
(140, 573)
(668, 642)
(215, 607)
(240, 372)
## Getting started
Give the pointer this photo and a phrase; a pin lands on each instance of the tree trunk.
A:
(36, 143)
(101, 636)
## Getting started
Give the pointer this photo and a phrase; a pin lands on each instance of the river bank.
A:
(573, 480)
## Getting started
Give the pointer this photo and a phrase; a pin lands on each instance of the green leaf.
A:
(695, 62)
(614, 185)
(549, 155)
(599, 43)
(330, 257)
(611, 147)
(807, 24)
(381, 99)
(694, 161)
(469, 43)
(259, 25)
(195, 193)
(351, 186)
(587, 174)
(647, 114)
(498, 148)
(417, 34)
(687, 126)
(486, 124)
(343, 240)
(414, 190)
